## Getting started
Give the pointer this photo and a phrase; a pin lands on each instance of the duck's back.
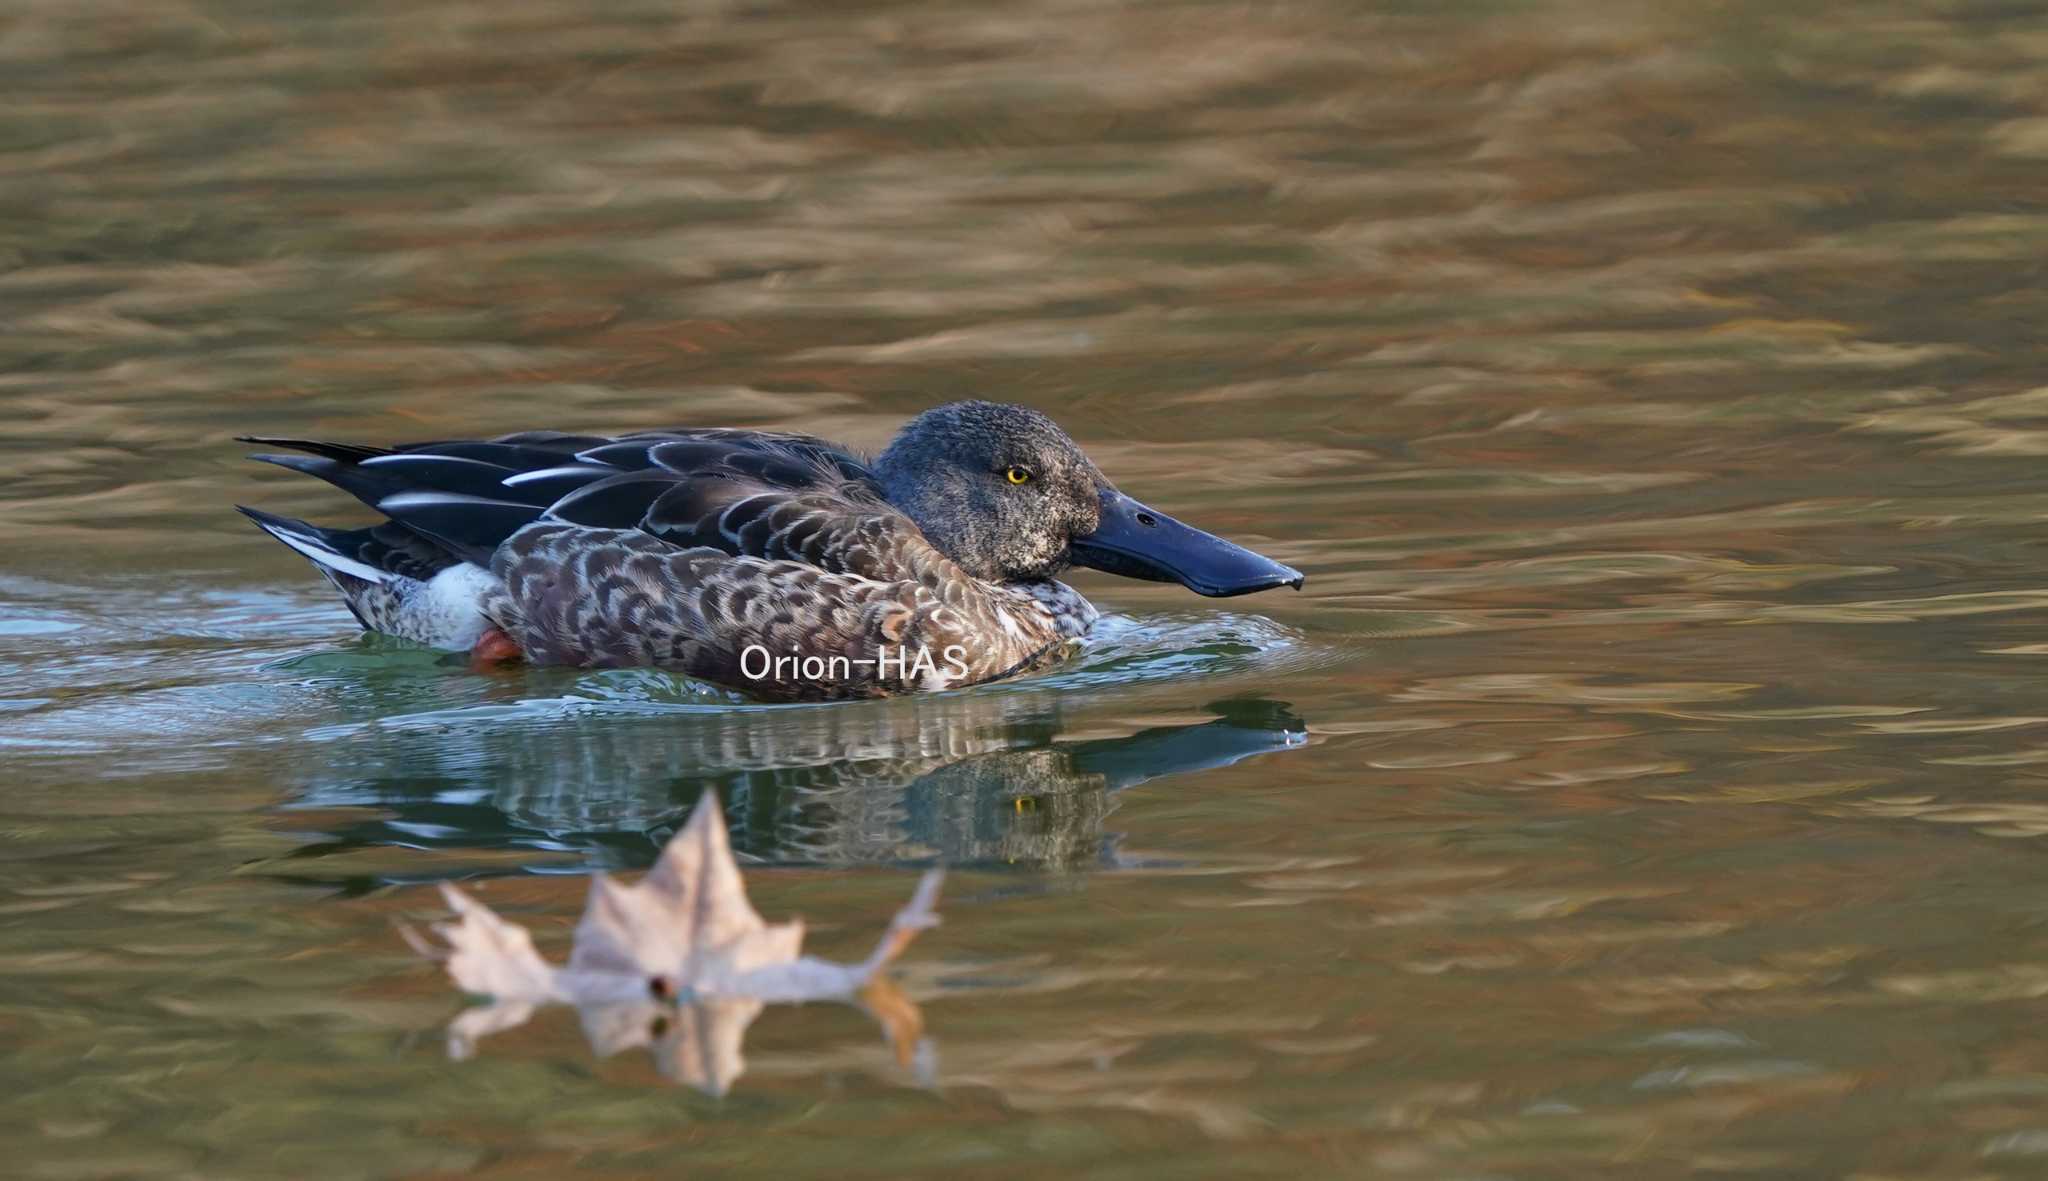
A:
(470, 496)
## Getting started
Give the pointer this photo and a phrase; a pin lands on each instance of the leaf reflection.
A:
(679, 962)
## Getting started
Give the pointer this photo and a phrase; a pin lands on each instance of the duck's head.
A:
(1005, 493)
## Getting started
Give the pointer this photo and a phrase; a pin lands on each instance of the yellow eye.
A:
(1018, 475)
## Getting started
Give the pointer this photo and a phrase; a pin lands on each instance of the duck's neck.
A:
(935, 499)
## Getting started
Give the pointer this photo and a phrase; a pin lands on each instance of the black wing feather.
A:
(629, 456)
(562, 443)
(549, 485)
(365, 484)
(345, 452)
(746, 493)
(515, 457)
(450, 473)
(471, 527)
(617, 502)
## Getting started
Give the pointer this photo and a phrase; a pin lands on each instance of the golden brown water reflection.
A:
(1650, 780)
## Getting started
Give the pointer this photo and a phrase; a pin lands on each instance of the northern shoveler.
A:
(780, 565)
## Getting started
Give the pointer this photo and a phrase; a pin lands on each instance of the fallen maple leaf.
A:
(684, 933)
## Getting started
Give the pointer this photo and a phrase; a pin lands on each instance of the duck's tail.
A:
(338, 553)
(392, 580)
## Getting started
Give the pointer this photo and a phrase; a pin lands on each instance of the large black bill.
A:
(1136, 542)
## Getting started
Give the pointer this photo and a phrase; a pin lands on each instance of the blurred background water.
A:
(1652, 778)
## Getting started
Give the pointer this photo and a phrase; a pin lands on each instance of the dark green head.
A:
(1004, 492)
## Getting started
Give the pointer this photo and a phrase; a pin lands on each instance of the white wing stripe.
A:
(327, 557)
(548, 473)
(401, 501)
(413, 457)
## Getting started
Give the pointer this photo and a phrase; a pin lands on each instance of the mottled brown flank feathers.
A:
(620, 598)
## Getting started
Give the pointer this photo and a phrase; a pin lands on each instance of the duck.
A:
(777, 565)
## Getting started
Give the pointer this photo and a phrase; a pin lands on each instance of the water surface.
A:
(1649, 780)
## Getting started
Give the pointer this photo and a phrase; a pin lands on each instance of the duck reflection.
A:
(964, 780)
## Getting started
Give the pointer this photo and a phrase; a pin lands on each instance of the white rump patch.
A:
(447, 610)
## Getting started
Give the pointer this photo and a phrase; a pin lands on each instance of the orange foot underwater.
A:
(494, 649)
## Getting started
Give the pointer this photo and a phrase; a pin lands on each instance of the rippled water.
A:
(1650, 779)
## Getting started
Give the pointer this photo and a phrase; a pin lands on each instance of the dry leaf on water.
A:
(685, 933)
